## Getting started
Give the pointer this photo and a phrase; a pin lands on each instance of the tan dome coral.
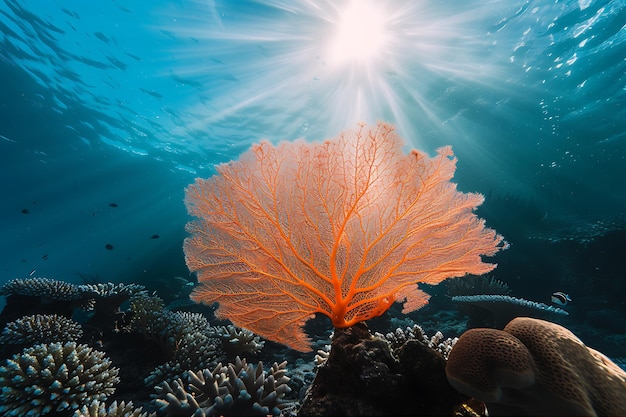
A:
(534, 367)
(488, 362)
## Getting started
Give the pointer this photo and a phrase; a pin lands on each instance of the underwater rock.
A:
(364, 376)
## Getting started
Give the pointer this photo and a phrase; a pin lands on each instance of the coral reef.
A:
(238, 389)
(142, 344)
(149, 343)
(534, 367)
(41, 328)
(54, 377)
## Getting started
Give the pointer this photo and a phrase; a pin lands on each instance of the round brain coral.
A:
(493, 361)
(534, 367)
(45, 378)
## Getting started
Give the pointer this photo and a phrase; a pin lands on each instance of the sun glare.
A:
(360, 34)
(310, 68)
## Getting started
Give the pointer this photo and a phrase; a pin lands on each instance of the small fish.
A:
(155, 237)
(560, 298)
(108, 246)
(32, 273)
(113, 204)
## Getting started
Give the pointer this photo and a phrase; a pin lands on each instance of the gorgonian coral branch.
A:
(343, 228)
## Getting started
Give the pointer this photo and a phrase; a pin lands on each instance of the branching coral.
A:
(40, 328)
(238, 389)
(98, 408)
(49, 377)
(236, 341)
(504, 308)
(110, 289)
(43, 287)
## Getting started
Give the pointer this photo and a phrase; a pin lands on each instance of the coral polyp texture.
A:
(54, 377)
(98, 408)
(41, 328)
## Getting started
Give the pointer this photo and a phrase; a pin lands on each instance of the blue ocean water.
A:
(108, 111)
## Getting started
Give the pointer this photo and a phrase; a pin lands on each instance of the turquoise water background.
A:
(109, 109)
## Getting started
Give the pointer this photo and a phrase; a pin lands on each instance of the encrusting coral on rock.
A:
(437, 342)
(534, 367)
(54, 377)
(364, 376)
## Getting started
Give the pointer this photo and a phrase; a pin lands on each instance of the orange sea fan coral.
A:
(343, 228)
